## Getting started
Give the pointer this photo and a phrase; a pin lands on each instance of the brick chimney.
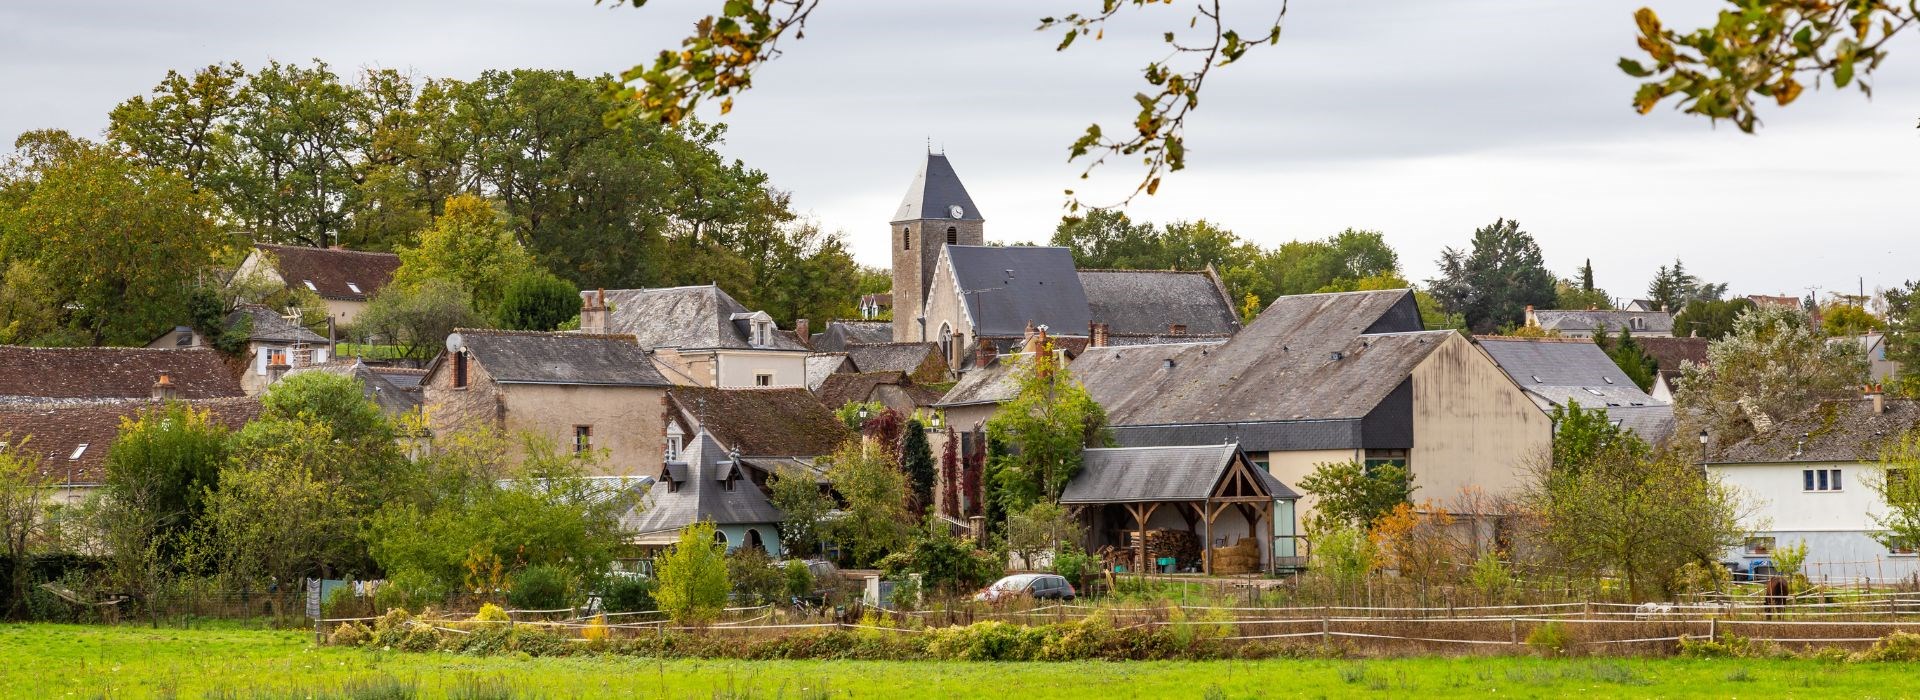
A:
(1176, 329)
(1872, 393)
(164, 389)
(983, 352)
(593, 312)
(1097, 335)
(801, 328)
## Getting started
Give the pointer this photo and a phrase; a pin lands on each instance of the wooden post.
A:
(1513, 629)
(1273, 562)
(1206, 542)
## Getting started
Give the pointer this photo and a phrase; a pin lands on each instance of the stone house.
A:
(1810, 480)
(345, 279)
(71, 437)
(700, 336)
(580, 391)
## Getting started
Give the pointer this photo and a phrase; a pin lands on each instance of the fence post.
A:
(1713, 627)
(1513, 629)
(1326, 624)
(319, 636)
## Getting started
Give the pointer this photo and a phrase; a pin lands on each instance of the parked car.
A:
(1036, 586)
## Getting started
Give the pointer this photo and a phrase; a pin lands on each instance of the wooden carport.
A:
(1201, 481)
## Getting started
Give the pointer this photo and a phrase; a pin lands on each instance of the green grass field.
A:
(64, 661)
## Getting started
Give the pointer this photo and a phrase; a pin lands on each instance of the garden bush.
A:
(540, 587)
(1729, 646)
(625, 593)
(1550, 639)
(1899, 646)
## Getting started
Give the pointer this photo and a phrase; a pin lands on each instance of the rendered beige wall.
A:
(1291, 467)
(738, 367)
(628, 423)
(944, 306)
(1472, 426)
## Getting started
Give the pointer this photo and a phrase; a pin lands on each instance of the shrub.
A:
(1899, 646)
(799, 579)
(945, 562)
(409, 589)
(340, 602)
(351, 634)
(538, 301)
(1074, 563)
(539, 587)
(692, 577)
(1728, 646)
(987, 641)
(1699, 576)
(625, 593)
(755, 578)
(906, 593)
(1489, 577)
(1550, 639)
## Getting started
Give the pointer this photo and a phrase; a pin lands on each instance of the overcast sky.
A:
(1420, 119)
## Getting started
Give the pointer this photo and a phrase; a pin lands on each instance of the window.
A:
(582, 438)
(906, 239)
(355, 288)
(763, 379)
(1262, 464)
(1759, 546)
(460, 370)
(310, 285)
(673, 447)
(719, 537)
(946, 343)
(1377, 457)
(953, 236)
(1639, 324)
(78, 450)
(1900, 547)
(1820, 479)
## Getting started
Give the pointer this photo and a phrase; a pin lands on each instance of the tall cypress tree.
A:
(916, 459)
(1632, 359)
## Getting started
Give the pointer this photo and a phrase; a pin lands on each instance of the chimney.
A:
(1531, 321)
(1870, 391)
(1097, 335)
(1176, 329)
(800, 328)
(164, 389)
(593, 312)
(983, 353)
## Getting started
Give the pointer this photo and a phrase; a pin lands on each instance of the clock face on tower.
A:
(955, 211)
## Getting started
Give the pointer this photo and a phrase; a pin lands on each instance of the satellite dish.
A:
(455, 343)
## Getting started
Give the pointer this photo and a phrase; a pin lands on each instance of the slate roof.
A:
(840, 334)
(1006, 288)
(113, 373)
(700, 474)
(763, 422)
(390, 397)
(1150, 474)
(893, 357)
(993, 383)
(933, 191)
(689, 318)
(57, 428)
(821, 365)
(1307, 357)
(270, 326)
(1610, 321)
(331, 270)
(1833, 431)
(1146, 302)
(1555, 371)
(403, 377)
(529, 357)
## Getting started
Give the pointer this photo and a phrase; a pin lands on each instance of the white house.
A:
(1811, 479)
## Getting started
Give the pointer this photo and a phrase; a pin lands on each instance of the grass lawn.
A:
(64, 661)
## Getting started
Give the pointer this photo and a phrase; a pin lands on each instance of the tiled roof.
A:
(840, 334)
(1833, 431)
(934, 191)
(763, 422)
(1609, 321)
(113, 373)
(701, 493)
(1006, 288)
(349, 275)
(1147, 302)
(690, 318)
(840, 389)
(1307, 357)
(910, 358)
(1674, 353)
(58, 429)
(392, 398)
(1152, 474)
(270, 326)
(529, 357)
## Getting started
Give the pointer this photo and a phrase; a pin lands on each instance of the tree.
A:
(285, 511)
(24, 489)
(1764, 48)
(1043, 527)
(1617, 507)
(1671, 286)
(1571, 294)
(160, 471)
(538, 301)
(726, 50)
(1493, 283)
(1843, 320)
(945, 562)
(1893, 479)
(181, 127)
(1048, 423)
(692, 583)
(1903, 336)
(116, 245)
(1584, 436)
(416, 320)
(1351, 494)
(916, 459)
(1773, 366)
(1710, 319)
(950, 474)
(1631, 357)
(807, 509)
(295, 135)
(874, 520)
(470, 245)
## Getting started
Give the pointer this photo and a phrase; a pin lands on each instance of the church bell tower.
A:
(936, 212)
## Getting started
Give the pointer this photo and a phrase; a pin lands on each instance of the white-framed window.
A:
(1820, 480)
(310, 285)
(355, 288)
(78, 450)
(763, 379)
(1759, 546)
(673, 447)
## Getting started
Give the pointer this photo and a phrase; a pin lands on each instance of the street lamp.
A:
(863, 413)
(935, 422)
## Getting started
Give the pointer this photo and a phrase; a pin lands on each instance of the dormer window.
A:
(673, 447)
(1638, 324)
(762, 333)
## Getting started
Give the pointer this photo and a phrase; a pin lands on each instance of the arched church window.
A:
(946, 343)
(953, 236)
